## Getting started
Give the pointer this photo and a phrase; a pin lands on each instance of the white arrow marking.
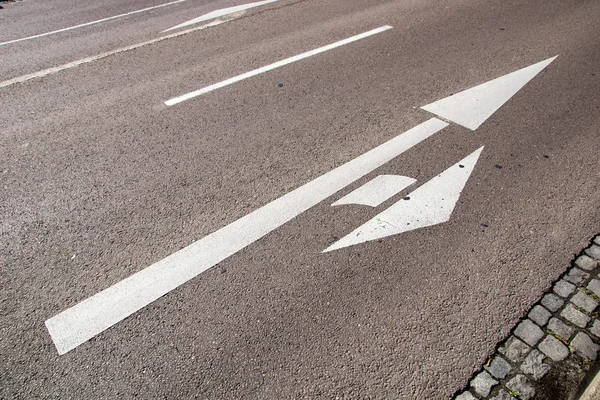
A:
(83, 321)
(470, 108)
(278, 64)
(376, 191)
(430, 204)
(220, 13)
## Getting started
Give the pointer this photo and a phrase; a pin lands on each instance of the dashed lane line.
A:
(270, 67)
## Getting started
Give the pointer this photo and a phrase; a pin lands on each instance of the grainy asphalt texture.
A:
(99, 179)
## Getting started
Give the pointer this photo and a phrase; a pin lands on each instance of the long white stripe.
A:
(90, 23)
(220, 13)
(85, 320)
(191, 95)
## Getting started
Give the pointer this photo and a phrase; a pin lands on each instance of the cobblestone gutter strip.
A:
(558, 340)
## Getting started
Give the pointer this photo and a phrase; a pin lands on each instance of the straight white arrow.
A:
(84, 320)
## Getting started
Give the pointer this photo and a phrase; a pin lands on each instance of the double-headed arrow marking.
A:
(92, 316)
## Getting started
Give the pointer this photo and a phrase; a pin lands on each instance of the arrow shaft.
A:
(92, 316)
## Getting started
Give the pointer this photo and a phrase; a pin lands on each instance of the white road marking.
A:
(191, 95)
(470, 108)
(428, 205)
(376, 191)
(220, 13)
(73, 64)
(83, 321)
(90, 23)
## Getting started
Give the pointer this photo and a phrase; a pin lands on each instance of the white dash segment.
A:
(270, 67)
(90, 23)
(83, 321)
(220, 13)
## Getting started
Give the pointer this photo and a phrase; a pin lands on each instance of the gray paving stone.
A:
(594, 286)
(534, 365)
(576, 275)
(552, 302)
(465, 396)
(514, 349)
(563, 288)
(529, 332)
(560, 328)
(520, 385)
(597, 240)
(571, 314)
(595, 329)
(499, 367)
(585, 262)
(539, 315)
(483, 383)
(502, 395)
(584, 301)
(585, 346)
(554, 348)
(593, 251)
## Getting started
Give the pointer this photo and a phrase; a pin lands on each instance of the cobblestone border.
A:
(563, 322)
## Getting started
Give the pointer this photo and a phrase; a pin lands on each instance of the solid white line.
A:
(78, 324)
(179, 99)
(220, 13)
(53, 70)
(90, 23)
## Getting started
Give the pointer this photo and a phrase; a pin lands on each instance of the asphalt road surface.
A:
(101, 179)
